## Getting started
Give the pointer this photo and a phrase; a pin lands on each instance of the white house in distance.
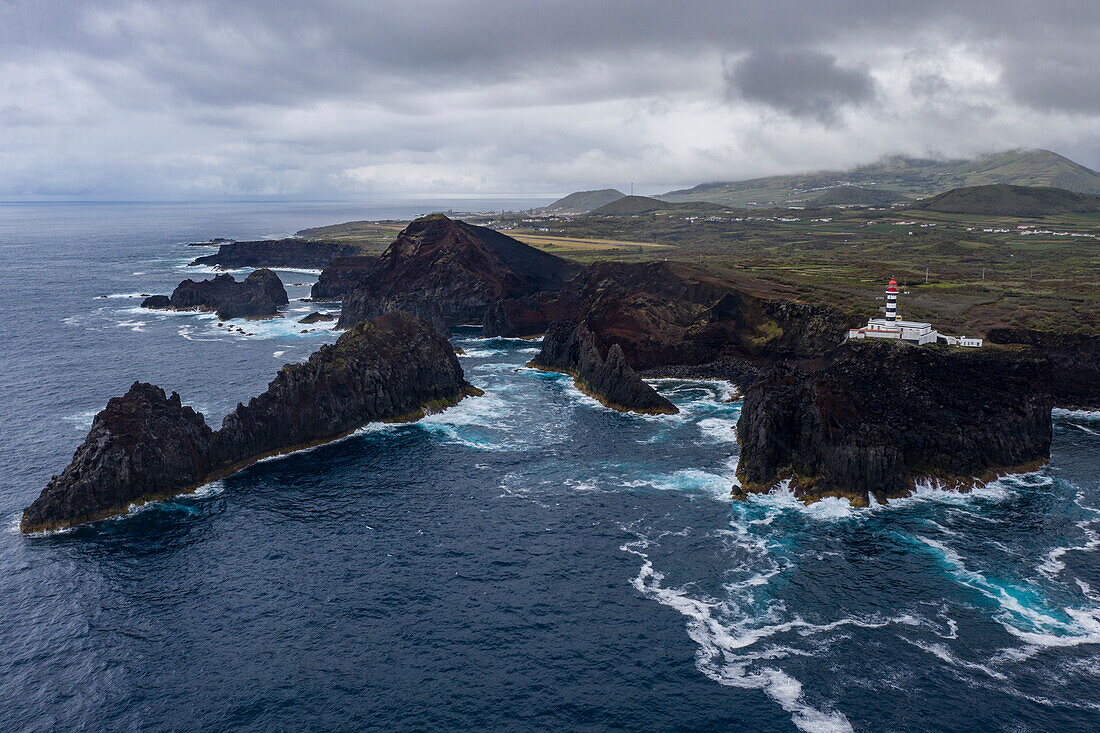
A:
(913, 332)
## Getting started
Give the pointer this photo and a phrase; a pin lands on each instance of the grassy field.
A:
(953, 271)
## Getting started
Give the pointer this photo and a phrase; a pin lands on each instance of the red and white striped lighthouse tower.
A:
(892, 301)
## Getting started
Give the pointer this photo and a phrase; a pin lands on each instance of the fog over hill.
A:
(325, 99)
(914, 177)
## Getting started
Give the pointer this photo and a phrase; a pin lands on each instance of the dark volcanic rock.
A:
(257, 296)
(143, 445)
(297, 253)
(665, 313)
(341, 276)
(362, 304)
(607, 377)
(529, 316)
(462, 267)
(1074, 363)
(391, 368)
(879, 416)
(146, 446)
(317, 317)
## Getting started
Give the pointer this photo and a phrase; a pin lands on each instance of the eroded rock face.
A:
(341, 276)
(293, 252)
(145, 445)
(574, 350)
(877, 417)
(362, 305)
(669, 313)
(463, 268)
(1074, 363)
(257, 296)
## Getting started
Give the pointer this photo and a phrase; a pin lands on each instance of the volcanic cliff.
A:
(673, 317)
(1074, 360)
(257, 296)
(145, 445)
(293, 252)
(341, 276)
(463, 268)
(875, 418)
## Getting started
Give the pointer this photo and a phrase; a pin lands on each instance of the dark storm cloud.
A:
(313, 88)
(800, 82)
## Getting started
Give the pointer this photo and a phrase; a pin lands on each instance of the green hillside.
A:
(580, 202)
(634, 205)
(1001, 200)
(913, 177)
(856, 195)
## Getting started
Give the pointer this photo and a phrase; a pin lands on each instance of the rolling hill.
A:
(855, 196)
(581, 202)
(1001, 200)
(631, 205)
(914, 177)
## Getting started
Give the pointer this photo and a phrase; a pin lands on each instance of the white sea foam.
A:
(689, 480)
(460, 424)
(138, 326)
(718, 430)
(942, 652)
(724, 643)
(1058, 412)
(1019, 608)
(782, 498)
(480, 353)
(725, 390)
(82, 420)
(507, 339)
(1052, 564)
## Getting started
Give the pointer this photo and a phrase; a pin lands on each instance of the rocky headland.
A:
(461, 267)
(293, 252)
(257, 296)
(675, 320)
(874, 418)
(146, 445)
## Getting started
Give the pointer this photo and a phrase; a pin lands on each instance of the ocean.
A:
(527, 560)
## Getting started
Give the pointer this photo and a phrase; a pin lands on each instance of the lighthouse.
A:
(892, 301)
(913, 332)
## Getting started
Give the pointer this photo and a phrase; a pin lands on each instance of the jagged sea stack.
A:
(146, 446)
(607, 377)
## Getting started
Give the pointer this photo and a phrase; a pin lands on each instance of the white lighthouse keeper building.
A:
(890, 327)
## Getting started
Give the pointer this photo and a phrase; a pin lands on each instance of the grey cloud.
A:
(1061, 77)
(535, 93)
(801, 82)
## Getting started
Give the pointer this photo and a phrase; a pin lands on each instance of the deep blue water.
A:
(527, 560)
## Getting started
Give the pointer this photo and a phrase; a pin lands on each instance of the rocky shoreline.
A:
(306, 254)
(145, 445)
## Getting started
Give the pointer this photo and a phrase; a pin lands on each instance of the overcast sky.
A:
(343, 99)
